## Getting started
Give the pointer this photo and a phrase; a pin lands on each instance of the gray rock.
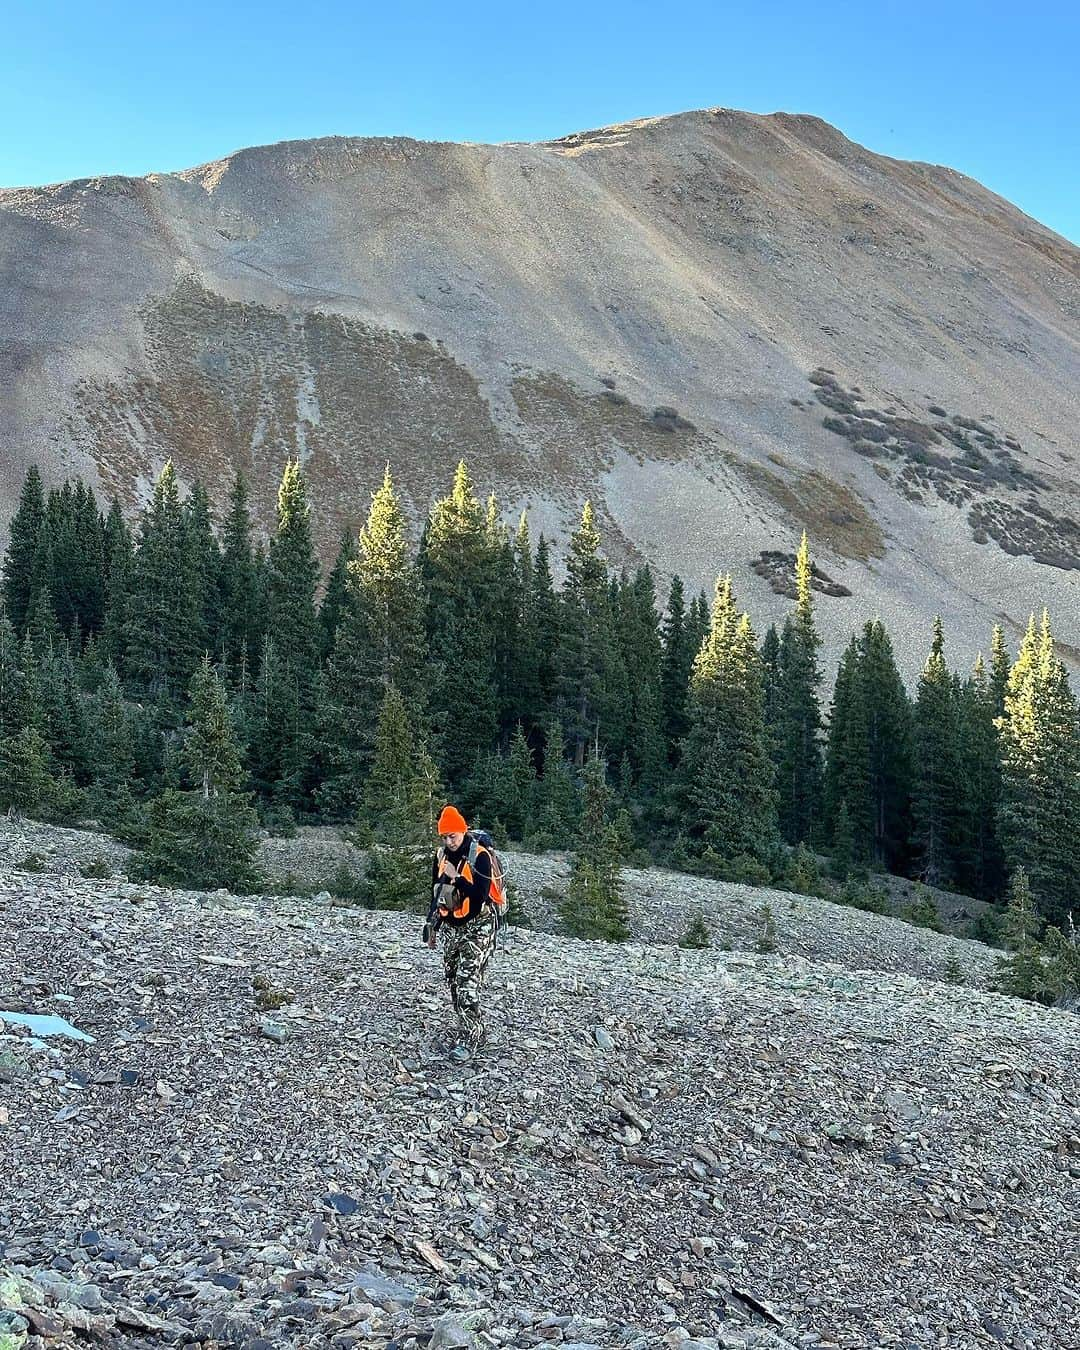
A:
(451, 1333)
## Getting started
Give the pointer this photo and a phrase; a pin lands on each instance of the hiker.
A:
(463, 906)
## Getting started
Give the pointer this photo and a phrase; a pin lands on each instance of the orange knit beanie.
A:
(452, 821)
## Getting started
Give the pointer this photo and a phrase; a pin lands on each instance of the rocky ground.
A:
(264, 1144)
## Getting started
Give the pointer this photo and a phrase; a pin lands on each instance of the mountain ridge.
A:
(633, 313)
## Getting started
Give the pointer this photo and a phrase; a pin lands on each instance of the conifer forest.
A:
(186, 686)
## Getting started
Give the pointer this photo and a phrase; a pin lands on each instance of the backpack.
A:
(482, 839)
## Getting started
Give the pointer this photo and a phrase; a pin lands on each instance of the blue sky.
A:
(988, 88)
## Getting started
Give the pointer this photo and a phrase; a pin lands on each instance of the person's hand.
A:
(431, 940)
(450, 872)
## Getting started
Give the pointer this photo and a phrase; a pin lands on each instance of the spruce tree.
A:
(336, 598)
(799, 761)
(594, 906)
(937, 787)
(869, 750)
(119, 568)
(292, 575)
(999, 670)
(380, 641)
(389, 590)
(203, 835)
(639, 628)
(400, 807)
(112, 734)
(1039, 818)
(545, 626)
(240, 604)
(770, 670)
(521, 787)
(982, 866)
(402, 790)
(202, 560)
(1021, 972)
(27, 526)
(457, 565)
(724, 792)
(524, 639)
(592, 676)
(679, 652)
(163, 619)
(558, 805)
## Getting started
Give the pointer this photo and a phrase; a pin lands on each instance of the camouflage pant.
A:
(467, 949)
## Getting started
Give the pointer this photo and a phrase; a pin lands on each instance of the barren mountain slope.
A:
(264, 1145)
(634, 313)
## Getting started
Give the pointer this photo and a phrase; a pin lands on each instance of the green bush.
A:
(96, 869)
(923, 911)
(988, 927)
(32, 862)
(539, 841)
(697, 934)
(800, 872)
(745, 870)
(766, 938)
(346, 885)
(278, 820)
(860, 894)
(594, 907)
(396, 878)
(954, 971)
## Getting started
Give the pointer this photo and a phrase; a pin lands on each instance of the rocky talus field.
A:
(258, 1140)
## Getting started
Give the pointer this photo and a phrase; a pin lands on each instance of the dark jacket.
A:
(468, 896)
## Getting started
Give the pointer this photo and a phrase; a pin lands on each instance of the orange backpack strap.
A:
(495, 892)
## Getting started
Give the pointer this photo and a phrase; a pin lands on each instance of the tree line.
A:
(181, 676)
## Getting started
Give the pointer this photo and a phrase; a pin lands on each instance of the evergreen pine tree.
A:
(111, 734)
(1021, 972)
(545, 626)
(680, 648)
(336, 597)
(1039, 818)
(558, 805)
(203, 835)
(869, 750)
(524, 640)
(400, 809)
(724, 791)
(292, 575)
(521, 787)
(843, 848)
(980, 755)
(999, 670)
(202, 560)
(643, 658)
(937, 788)
(457, 564)
(593, 906)
(770, 671)
(240, 604)
(799, 764)
(592, 678)
(27, 526)
(118, 570)
(163, 619)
